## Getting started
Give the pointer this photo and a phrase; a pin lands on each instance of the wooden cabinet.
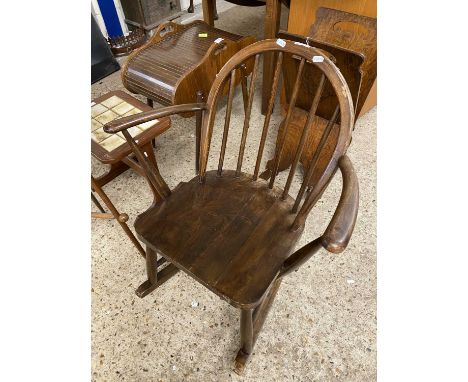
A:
(302, 16)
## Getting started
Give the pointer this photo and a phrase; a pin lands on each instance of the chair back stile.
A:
(343, 112)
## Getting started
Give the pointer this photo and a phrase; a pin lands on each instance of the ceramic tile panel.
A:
(147, 125)
(134, 131)
(132, 112)
(112, 102)
(99, 135)
(95, 124)
(112, 142)
(97, 109)
(123, 108)
(107, 117)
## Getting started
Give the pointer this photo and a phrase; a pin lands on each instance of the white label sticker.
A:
(218, 40)
(281, 43)
(302, 44)
(317, 59)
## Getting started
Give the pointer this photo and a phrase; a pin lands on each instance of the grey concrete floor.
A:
(322, 325)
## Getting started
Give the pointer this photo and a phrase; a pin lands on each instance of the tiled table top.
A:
(113, 147)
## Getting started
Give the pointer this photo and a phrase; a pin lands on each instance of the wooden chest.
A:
(179, 61)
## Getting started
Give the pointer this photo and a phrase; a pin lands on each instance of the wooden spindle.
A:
(281, 139)
(232, 86)
(245, 97)
(247, 115)
(266, 124)
(313, 162)
(305, 134)
(152, 175)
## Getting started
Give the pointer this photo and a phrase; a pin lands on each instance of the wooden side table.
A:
(115, 151)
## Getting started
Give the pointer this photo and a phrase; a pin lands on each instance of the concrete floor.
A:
(322, 326)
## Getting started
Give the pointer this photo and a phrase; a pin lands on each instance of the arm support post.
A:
(338, 232)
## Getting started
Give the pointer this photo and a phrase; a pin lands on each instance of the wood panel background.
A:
(302, 16)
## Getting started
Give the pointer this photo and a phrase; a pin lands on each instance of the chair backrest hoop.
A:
(312, 55)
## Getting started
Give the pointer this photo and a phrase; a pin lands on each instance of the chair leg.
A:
(251, 324)
(215, 11)
(190, 8)
(198, 125)
(155, 277)
(149, 102)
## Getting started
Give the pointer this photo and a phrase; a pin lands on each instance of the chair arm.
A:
(338, 232)
(126, 122)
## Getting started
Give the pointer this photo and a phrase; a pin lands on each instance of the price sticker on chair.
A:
(281, 42)
(317, 59)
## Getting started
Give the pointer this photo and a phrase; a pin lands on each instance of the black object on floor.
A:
(103, 62)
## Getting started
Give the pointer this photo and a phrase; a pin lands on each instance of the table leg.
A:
(121, 218)
(148, 149)
(208, 11)
(272, 19)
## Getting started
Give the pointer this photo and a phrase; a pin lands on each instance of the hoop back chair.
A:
(229, 229)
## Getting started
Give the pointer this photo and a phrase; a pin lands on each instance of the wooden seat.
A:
(227, 228)
(217, 231)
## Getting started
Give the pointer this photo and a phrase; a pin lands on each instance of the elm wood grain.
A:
(234, 216)
(228, 229)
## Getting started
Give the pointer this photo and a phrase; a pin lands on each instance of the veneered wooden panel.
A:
(302, 16)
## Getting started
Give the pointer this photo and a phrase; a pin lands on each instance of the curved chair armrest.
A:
(338, 232)
(126, 122)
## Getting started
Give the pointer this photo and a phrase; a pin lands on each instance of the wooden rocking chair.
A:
(230, 230)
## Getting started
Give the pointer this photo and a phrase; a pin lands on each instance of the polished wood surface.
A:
(179, 61)
(230, 230)
(222, 232)
(350, 64)
(354, 32)
(302, 15)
